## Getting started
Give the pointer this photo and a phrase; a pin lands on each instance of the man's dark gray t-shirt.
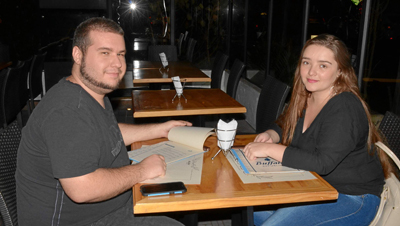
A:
(69, 134)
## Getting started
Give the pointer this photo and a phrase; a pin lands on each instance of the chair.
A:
(169, 50)
(35, 78)
(180, 41)
(270, 103)
(14, 92)
(54, 71)
(234, 77)
(10, 138)
(389, 206)
(190, 50)
(218, 69)
(390, 128)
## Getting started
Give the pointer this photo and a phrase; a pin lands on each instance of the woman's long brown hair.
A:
(345, 82)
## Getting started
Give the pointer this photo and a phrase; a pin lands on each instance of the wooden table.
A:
(142, 64)
(149, 72)
(5, 65)
(221, 187)
(381, 79)
(158, 103)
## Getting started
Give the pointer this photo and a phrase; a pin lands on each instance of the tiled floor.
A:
(215, 223)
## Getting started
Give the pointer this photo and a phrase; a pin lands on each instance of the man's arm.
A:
(132, 133)
(106, 183)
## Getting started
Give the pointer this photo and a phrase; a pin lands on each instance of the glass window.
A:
(380, 87)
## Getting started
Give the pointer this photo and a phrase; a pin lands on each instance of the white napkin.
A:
(164, 60)
(177, 84)
(226, 133)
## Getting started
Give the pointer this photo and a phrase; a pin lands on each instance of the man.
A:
(72, 164)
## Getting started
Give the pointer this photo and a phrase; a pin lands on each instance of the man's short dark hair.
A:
(81, 36)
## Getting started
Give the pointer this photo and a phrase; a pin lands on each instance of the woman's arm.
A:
(269, 136)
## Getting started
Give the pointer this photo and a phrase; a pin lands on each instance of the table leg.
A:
(190, 218)
(243, 217)
(199, 120)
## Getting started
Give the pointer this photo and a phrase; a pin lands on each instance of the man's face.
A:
(103, 66)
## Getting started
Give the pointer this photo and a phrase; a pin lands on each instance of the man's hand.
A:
(167, 126)
(152, 167)
(133, 133)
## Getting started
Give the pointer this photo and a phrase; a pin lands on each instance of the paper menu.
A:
(183, 143)
(269, 177)
(188, 171)
(260, 165)
(190, 135)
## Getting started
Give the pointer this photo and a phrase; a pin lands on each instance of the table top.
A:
(158, 103)
(5, 65)
(142, 64)
(381, 79)
(152, 72)
(221, 187)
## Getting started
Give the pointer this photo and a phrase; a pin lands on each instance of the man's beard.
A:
(92, 83)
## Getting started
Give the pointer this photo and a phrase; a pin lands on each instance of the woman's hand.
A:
(270, 136)
(255, 150)
(264, 138)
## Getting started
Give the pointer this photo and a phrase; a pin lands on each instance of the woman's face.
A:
(318, 69)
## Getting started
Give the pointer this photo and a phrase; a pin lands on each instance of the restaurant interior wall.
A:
(25, 27)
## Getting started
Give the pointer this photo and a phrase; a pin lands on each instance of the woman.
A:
(327, 129)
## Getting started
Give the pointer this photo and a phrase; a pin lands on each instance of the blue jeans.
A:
(347, 210)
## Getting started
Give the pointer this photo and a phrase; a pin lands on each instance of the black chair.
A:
(218, 69)
(14, 92)
(190, 49)
(54, 71)
(270, 103)
(390, 128)
(10, 138)
(180, 41)
(169, 50)
(35, 78)
(234, 77)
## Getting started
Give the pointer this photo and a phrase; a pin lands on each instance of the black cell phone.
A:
(163, 189)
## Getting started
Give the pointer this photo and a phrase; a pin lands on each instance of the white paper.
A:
(184, 141)
(271, 177)
(261, 165)
(164, 60)
(188, 171)
(226, 133)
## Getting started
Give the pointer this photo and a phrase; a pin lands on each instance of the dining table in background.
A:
(158, 103)
(221, 187)
(153, 72)
(4, 65)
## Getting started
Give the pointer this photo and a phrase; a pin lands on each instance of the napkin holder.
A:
(178, 88)
(164, 63)
(224, 144)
